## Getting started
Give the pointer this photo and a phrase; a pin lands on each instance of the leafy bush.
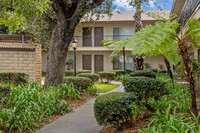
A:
(13, 77)
(113, 109)
(128, 71)
(144, 73)
(92, 90)
(4, 94)
(107, 76)
(122, 77)
(172, 123)
(119, 72)
(28, 105)
(69, 73)
(93, 77)
(145, 88)
(83, 71)
(79, 82)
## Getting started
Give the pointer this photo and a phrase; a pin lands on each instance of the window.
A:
(118, 62)
(122, 33)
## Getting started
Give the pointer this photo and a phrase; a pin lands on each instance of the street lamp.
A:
(74, 46)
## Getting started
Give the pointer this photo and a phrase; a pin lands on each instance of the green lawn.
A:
(105, 87)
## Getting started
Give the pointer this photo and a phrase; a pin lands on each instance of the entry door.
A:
(87, 62)
(98, 63)
(98, 36)
(87, 37)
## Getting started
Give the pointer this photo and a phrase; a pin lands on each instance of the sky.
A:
(122, 5)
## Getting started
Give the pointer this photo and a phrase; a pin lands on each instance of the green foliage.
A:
(92, 76)
(79, 83)
(4, 94)
(69, 73)
(16, 15)
(145, 88)
(194, 30)
(113, 109)
(83, 71)
(28, 106)
(14, 77)
(122, 77)
(178, 98)
(152, 40)
(172, 111)
(144, 73)
(107, 76)
(172, 123)
(92, 90)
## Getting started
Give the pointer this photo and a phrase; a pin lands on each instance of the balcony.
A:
(189, 8)
(96, 41)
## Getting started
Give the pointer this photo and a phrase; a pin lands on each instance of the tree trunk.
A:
(61, 37)
(138, 25)
(124, 58)
(169, 71)
(183, 50)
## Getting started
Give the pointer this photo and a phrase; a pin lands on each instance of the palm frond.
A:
(194, 30)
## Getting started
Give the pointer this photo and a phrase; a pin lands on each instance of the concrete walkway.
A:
(81, 120)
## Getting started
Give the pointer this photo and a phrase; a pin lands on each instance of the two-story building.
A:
(92, 55)
(186, 10)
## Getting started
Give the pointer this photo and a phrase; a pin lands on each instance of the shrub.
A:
(119, 72)
(28, 106)
(69, 73)
(92, 90)
(14, 77)
(113, 109)
(145, 88)
(79, 82)
(83, 71)
(4, 94)
(93, 77)
(143, 73)
(107, 76)
(128, 71)
(122, 77)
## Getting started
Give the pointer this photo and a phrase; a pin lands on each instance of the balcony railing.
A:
(96, 41)
(188, 10)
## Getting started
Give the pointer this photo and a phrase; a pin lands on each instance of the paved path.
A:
(81, 120)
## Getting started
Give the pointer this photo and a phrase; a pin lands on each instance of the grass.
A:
(105, 87)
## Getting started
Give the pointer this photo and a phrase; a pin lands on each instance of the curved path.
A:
(81, 120)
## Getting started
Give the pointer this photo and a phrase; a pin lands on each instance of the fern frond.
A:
(194, 30)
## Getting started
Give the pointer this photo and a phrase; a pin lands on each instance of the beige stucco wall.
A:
(154, 62)
(108, 66)
(21, 57)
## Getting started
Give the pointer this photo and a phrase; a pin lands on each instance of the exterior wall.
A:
(108, 66)
(21, 57)
(154, 62)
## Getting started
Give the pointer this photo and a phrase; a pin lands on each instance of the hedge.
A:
(93, 77)
(4, 94)
(83, 71)
(145, 88)
(107, 76)
(79, 82)
(69, 73)
(113, 109)
(144, 73)
(14, 77)
(119, 72)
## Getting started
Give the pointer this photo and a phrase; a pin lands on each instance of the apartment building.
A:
(92, 55)
(186, 10)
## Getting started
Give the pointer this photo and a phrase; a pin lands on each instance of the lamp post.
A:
(74, 46)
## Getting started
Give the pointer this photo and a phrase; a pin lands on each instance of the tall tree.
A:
(162, 39)
(68, 14)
